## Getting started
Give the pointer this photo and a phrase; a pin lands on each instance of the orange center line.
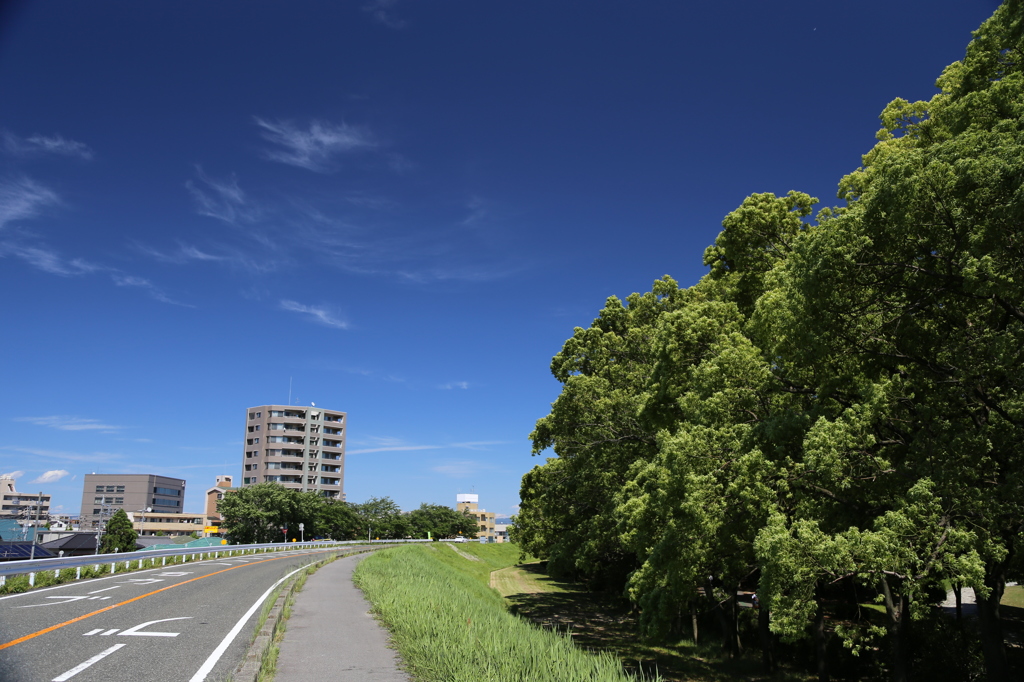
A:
(141, 596)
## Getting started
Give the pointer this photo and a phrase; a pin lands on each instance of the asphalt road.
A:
(163, 624)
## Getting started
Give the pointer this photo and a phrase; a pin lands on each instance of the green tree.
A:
(119, 535)
(338, 520)
(568, 513)
(258, 513)
(382, 518)
(441, 522)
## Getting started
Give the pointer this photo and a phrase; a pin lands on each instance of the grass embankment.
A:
(448, 624)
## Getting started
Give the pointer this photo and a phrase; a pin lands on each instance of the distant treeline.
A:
(269, 512)
(832, 416)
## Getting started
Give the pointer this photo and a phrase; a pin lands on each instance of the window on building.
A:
(220, 496)
(167, 491)
(118, 500)
(256, 440)
(99, 488)
(120, 489)
(110, 488)
(95, 511)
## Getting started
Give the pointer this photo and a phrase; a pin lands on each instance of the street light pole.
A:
(35, 526)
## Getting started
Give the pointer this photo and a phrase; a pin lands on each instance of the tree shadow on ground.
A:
(603, 622)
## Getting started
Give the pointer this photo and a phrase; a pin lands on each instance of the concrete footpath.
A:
(332, 636)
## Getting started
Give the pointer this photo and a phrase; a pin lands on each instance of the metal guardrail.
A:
(26, 566)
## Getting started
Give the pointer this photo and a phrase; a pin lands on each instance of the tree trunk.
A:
(820, 645)
(957, 594)
(767, 641)
(693, 620)
(901, 655)
(898, 608)
(996, 666)
(734, 623)
(728, 639)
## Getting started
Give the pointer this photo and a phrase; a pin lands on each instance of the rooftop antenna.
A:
(289, 390)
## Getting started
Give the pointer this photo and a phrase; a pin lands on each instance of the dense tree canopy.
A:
(834, 413)
(440, 522)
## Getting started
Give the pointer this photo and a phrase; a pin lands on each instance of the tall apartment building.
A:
(102, 494)
(484, 519)
(299, 447)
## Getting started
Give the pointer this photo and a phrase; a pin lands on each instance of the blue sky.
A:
(401, 208)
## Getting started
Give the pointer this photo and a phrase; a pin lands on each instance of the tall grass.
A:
(449, 626)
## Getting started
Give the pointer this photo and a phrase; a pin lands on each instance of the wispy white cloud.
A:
(476, 209)
(378, 444)
(382, 12)
(95, 457)
(44, 144)
(65, 423)
(313, 148)
(51, 476)
(222, 199)
(14, 474)
(454, 384)
(185, 253)
(155, 292)
(22, 198)
(319, 314)
(463, 468)
(478, 444)
(393, 448)
(47, 260)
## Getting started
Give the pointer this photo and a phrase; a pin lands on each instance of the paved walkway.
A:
(332, 636)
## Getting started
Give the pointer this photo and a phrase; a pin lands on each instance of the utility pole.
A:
(35, 526)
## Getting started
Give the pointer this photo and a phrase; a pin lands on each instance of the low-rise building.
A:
(22, 505)
(467, 502)
(215, 495)
(162, 523)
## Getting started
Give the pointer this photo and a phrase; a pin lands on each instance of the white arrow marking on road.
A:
(134, 632)
(82, 666)
(143, 581)
(67, 600)
(175, 574)
(108, 633)
(92, 632)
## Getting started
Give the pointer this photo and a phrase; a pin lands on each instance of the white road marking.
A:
(67, 600)
(134, 632)
(92, 632)
(207, 666)
(220, 563)
(175, 574)
(109, 632)
(143, 581)
(105, 589)
(82, 666)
